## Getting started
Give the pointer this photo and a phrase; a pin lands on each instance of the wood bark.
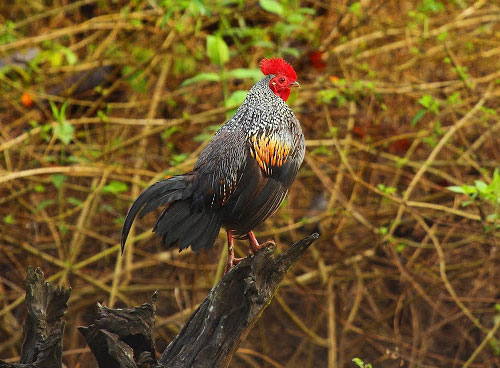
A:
(124, 337)
(43, 327)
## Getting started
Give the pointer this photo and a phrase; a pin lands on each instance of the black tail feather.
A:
(182, 222)
(167, 227)
(167, 198)
(190, 235)
(207, 238)
(203, 236)
(153, 197)
(186, 227)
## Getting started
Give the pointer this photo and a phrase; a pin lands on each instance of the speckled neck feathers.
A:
(262, 110)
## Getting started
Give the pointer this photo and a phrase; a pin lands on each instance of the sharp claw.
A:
(254, 244)
(231, 263)
(254, 248)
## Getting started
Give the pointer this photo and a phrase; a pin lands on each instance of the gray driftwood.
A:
(123, 338)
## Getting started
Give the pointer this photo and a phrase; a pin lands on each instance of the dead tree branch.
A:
(43, 328)
(123, 338)
(226, 316)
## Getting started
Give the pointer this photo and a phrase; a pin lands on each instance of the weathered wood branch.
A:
(215, 330)
(123, 338)
(43, 328)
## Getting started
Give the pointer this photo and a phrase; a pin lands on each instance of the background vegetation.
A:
(399, 102)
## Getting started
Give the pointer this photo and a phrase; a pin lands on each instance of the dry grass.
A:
(403, 274)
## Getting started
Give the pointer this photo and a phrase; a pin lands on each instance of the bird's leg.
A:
(231, 260)
(254, 244)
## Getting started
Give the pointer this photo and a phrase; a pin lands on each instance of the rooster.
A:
(239, 179)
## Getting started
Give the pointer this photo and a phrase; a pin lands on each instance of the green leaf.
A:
(431, 6)
(74, 201)
(64, 131)
(39, 188)
(358, 362)
(115, 187)
(63, 228)
(431, 141)
(142, 54)
(453, 99)
(119, 220)
(481, 186)
(265, 44)
(55, 110)
(442, 36)
(102, 115)
(386, 190)
(167, 133)
(203, 137)
(494, 346)
(291, 51)
(58, 179)
(361, 364)
(295, 18)
(214, 127)
(272, 6)
(44, 203)
(136, 22)
(310, 11)
(438, 128)
(465, 189)
(217, 50)
(356, 9)
(495, 183)
(492, 217)
(62, 111)
(430, 103)
(55, 58)
(243, 73)
(136, 78)
(71, 57)
(202, 77)
(400, 247)
(236, 98)
(178, 159)
(456, 189)
(326, 96)
(417, 117)
(9, 220)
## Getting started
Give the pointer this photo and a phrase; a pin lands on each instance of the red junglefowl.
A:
(240, 178)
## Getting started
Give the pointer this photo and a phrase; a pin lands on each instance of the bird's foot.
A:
(231, 262)
(231, 259)
(254, 244)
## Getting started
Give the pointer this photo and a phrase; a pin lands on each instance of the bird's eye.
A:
(282, 80)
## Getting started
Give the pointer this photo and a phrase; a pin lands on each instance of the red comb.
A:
(277, 66)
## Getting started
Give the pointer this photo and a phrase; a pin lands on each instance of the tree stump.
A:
(43, 328)
(123, 338)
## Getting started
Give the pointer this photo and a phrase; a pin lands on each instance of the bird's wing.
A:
(220, 168)
(272, 164)
(278, 154)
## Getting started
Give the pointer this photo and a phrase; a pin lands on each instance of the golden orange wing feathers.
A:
(269, 151)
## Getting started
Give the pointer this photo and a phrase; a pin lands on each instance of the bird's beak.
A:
(295, 84)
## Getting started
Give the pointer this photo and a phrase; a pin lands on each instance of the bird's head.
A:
(284, 77)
